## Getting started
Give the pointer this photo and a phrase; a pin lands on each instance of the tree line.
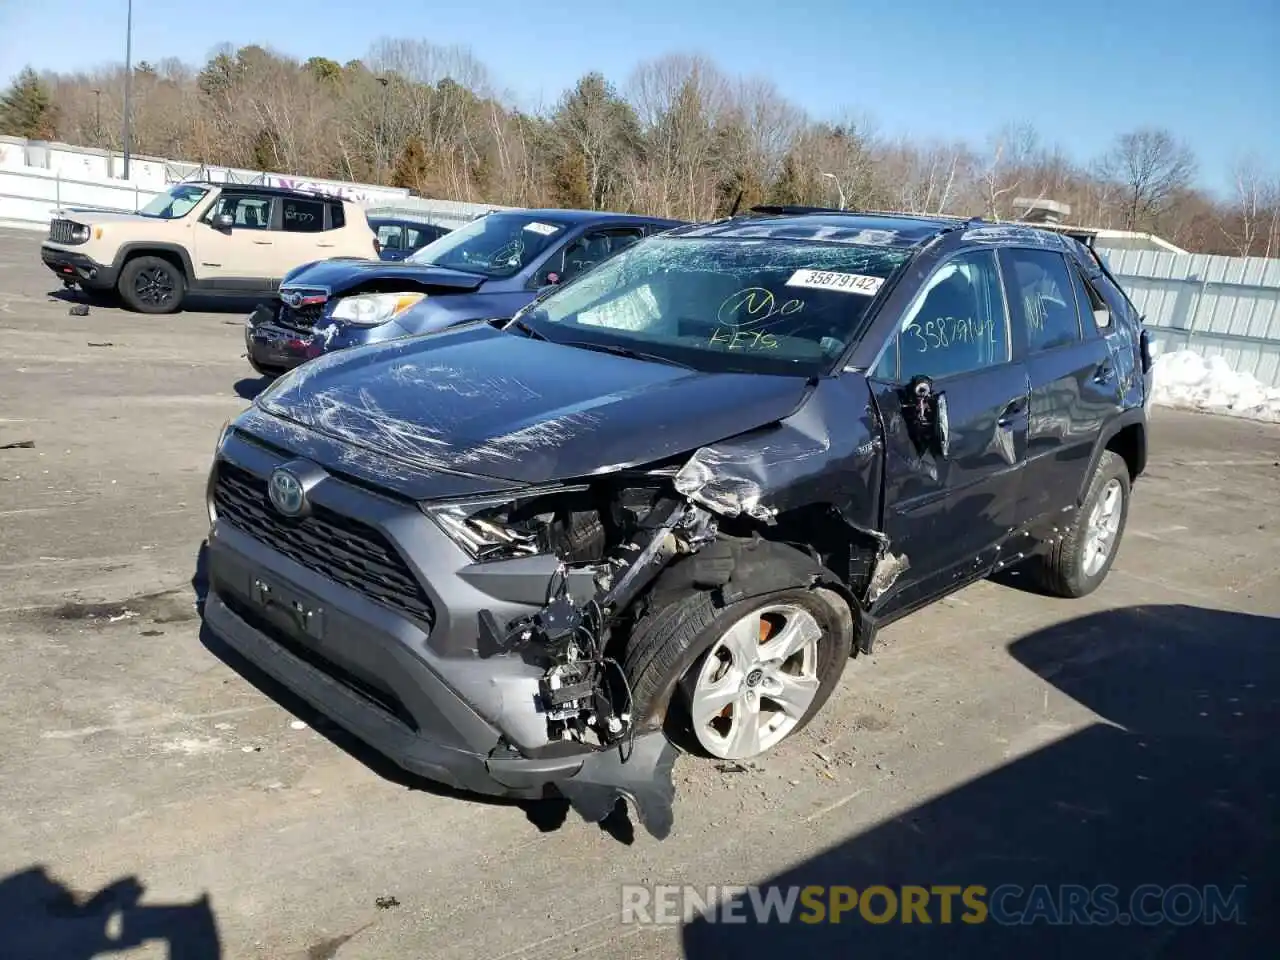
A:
(680, 138)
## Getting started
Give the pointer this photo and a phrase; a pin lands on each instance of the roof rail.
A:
(794, 209)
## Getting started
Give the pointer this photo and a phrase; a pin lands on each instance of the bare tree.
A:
(1249, 224)
(686, 141)
(1150, 167)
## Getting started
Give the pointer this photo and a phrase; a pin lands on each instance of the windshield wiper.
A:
(626, 352)
(533, 334)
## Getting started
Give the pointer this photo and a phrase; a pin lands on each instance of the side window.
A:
(419, 237)
(302, 216)
(337, 216)
(247, 212)
(956, 324)
(1094, 314)
(1040, 288)
(389, 235)
(596, 247)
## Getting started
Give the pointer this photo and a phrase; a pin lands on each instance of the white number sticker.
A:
(844, 282)
(542, 229)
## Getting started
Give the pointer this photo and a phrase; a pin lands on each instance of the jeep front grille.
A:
(336, 547)
(65, 231)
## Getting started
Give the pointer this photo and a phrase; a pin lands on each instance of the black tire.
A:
(1061, 569)
(668, 645)
(152, 285)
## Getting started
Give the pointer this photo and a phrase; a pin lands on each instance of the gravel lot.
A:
(998, 737)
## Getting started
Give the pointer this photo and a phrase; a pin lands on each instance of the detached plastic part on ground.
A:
(1185, 379)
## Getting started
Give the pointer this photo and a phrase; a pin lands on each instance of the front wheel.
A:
(735, 682)
(152, 285)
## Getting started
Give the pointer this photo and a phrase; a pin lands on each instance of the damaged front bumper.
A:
(592, 780)
(408, 681)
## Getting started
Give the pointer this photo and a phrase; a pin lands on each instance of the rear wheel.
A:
(1077, 564)
(734, 682)
(152, 285)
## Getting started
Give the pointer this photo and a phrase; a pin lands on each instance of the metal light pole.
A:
(128, 83)
(97, 117)
(382, 131)
(836, 179)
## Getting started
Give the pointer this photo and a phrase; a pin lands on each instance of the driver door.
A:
(948, 513)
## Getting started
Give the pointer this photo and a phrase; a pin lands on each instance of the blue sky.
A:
(1081, 71)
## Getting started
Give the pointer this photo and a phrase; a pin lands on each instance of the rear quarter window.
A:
(337, 216)
(302, 216)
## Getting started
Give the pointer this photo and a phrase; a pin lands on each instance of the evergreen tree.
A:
(412, 168)
(26, 110)
(570, 183)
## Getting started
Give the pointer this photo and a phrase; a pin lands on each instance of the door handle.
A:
(263, 243)
(326, 244)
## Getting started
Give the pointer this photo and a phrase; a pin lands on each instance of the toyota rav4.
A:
(661, 507)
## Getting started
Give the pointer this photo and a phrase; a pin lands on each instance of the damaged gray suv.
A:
(664, 505)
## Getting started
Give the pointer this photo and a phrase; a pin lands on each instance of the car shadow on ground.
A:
(192, 303)
(546, 815)
(250, 387)
(41, 919)
(1176, 784)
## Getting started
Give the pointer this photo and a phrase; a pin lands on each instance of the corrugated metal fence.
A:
(1226, 306)
(447, 213)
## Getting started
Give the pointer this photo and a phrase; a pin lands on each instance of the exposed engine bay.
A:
(619, 540)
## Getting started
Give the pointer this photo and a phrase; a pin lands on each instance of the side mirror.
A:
(1102, 317)
(224, 221)
(925, 410)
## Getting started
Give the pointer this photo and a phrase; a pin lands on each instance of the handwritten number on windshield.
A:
(754, 305)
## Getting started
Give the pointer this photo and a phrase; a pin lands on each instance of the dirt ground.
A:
(156, 802)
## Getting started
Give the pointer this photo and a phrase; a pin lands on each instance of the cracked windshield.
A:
(729, 305)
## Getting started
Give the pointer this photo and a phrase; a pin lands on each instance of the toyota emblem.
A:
(286, 493)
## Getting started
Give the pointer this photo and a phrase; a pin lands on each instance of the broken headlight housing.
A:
(503, 527)
(374, 309)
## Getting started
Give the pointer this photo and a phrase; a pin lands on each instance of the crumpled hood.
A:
(493, 404)
(341, 275)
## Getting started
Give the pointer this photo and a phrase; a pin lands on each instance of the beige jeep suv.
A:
(206, 238)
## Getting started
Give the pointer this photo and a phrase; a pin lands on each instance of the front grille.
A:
(302, 319)
(343, 550)
(64, 231)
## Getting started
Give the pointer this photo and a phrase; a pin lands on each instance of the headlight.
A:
(374, 309)
(502, 527)
(80, 233)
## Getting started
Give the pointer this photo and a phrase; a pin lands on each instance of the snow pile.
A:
(1185, 379)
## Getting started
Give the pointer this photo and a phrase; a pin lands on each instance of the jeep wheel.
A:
(152, 285)
(1077, 564)
(736, 681)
